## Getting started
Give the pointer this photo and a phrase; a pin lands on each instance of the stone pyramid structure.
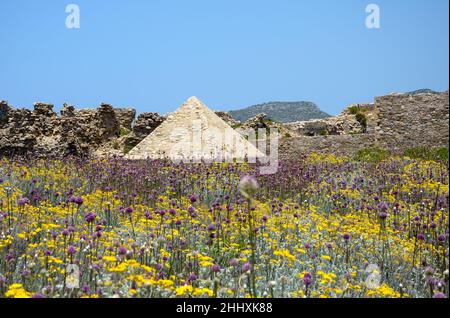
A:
(194, 133)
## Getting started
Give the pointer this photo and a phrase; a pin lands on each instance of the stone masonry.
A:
(394, 122)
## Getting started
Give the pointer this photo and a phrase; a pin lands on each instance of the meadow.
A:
(322, 227)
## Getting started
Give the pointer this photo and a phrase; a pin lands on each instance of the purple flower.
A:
(382, 215)
(307, 279)
(192, 277)
(122, 250)
(234, 262)
(346, 236)
(38, 295)
(22, 201)
(128, 210)
(211, 227)
(193, 198)
(86, 289)
(441, 238)
(421, 237)
(78, 200)
(439, 295)
(71, 250)
(215, 268)
(246, 267)
(90, 217)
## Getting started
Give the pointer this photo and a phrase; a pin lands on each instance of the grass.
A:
(434, 154)
(124, 132)
(371, 155)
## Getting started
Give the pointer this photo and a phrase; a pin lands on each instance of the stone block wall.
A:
(404, 121)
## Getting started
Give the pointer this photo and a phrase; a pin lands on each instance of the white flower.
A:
(248, 186)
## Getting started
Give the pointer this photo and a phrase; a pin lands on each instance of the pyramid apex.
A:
(193, 100)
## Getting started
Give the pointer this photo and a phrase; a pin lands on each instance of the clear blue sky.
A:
(154, 54)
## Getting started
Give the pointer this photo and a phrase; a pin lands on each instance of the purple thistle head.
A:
(246, 267)
(71, 250)
(307, 279)
(128, 210)
(439, 295)
(86, 289)
(234, 262)
(90, 217)
(192, 277)
(346, 236)
(22, 202)
(193, 198)
(421, 237)
(215, 268)
(78, 200)
(382, 215)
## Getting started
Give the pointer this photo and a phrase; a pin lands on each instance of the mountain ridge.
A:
(281, 111)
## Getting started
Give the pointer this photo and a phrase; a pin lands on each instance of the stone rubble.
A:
(394, 122)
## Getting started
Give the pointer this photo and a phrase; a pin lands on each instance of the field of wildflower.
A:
(322, 227)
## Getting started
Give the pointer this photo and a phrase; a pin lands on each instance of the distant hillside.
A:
(422, 91)
(284, 112)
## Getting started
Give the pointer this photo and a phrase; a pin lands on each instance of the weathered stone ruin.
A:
(75, 131)
(392, 122)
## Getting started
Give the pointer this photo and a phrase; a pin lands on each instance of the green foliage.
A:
(123, 131)
(371, 155)
(287, 135)
(323, 132)
(426, 153)
(354, 110)
(362, 119)
(127, 148)
(115, 145)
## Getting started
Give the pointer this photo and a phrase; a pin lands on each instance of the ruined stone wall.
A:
(335, 144)
(76, 131)
(405, 121)
(394, 122)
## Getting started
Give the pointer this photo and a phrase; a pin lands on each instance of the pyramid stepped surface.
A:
(194, 132)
